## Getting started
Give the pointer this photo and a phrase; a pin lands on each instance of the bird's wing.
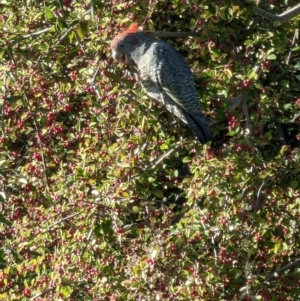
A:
(171, 72)
(175, 77)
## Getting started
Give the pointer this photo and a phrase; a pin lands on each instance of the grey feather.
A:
(166, 77)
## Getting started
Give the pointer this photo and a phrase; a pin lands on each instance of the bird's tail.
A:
(199, 126)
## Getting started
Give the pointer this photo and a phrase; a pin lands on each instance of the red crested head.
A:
(121, 43)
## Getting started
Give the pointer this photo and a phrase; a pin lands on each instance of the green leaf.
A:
(104, 229)
(158, 193)
(187, 159)
(66, 291)
(288, 106)
(271, 56)
(48, 13)
(164, 146)
(297, 48)
(294, 184)
(3, 220)
(2, 197)
(297, 66)
(248, 42)
(80, 33)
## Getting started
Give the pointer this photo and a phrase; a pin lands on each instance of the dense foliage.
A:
(106, 196)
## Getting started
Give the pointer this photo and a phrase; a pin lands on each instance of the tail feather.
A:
(199, 126)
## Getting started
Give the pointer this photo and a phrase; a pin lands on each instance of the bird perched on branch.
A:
(164, 75)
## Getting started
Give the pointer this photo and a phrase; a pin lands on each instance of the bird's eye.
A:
(121, 45)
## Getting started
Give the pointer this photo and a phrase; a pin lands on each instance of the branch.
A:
(278, 128)
(33, 116)
(232, 105)
(46, 291)
(180, 34)
(284, 17)
(36, 33)
(63, 219)
(289, 266)
(161, 158)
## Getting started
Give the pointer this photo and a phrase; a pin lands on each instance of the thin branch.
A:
(63, 36)
(88, 238)
(161, 158)
(46, 291)
(279, 128)
(289, 266)
(36, 33)
(63, 219)
(296, 117)
(293, 42)
(246, 113)
(2, 109)
(180, 34)
(284, 17)
(232, 105)
(46, 181)
(268, 179)
(95, 75)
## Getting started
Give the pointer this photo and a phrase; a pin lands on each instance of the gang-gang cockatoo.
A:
(164, 75)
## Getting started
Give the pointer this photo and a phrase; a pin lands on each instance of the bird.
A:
(164, 75)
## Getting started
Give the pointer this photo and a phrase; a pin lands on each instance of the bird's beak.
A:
(117, 56)
(114, 54)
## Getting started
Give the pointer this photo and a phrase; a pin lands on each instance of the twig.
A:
(180, 34)
(295, 118)
(48, 290)
(284, 17)
(88, 238)
(39, 141)
(233, 104)
(168, 153)
(2, 109)
(289, 266)
(36, 33)
(63, 36)
(261, 187)
(63, 219)
(279, 129)
(95, 75)
(293, 42)
(246, 113)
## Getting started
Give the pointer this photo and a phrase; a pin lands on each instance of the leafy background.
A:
(106, 196)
